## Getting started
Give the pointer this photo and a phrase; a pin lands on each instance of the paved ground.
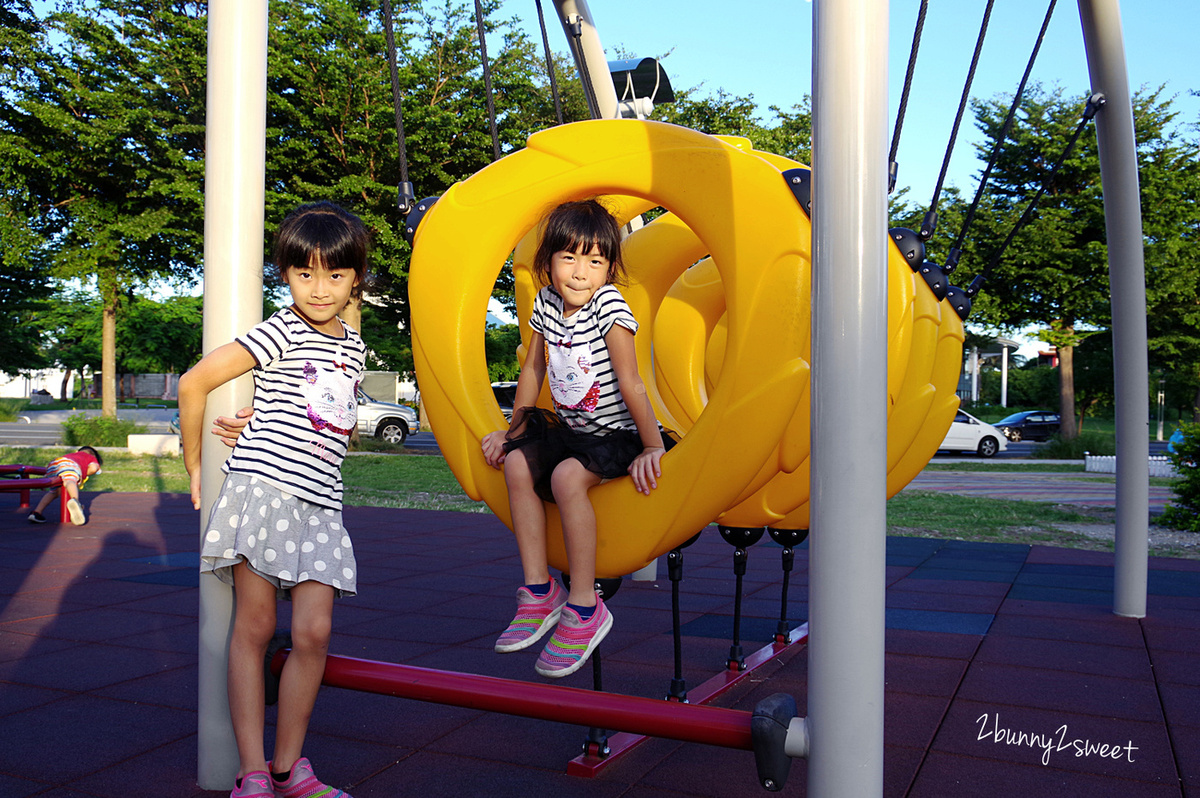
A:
(1088, 490)
(1006, 669)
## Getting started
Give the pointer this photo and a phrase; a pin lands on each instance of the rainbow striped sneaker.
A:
(535, 616)
(301, 783)
(574, 641)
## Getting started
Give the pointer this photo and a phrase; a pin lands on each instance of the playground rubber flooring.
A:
(1007, 672)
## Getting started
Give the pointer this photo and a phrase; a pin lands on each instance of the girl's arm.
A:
(646, 467)
(216, 368)
(529, 385)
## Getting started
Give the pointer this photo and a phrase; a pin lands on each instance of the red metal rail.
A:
(693, 723)
(25, 484)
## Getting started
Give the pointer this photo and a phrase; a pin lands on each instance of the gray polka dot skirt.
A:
(283, 538)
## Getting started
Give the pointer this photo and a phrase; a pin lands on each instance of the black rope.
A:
(893, 167)
(589, 91)
(404, 195)
(487, 81)
(956, 250)
(1094, 104)
(930, 222)
(549, 62)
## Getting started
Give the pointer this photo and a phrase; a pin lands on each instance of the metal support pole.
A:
(848, 487)
(233, 255)
(1105, 46)
(589, 56)
(1004, 375)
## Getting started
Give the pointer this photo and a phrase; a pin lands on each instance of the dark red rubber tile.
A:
(1054, 609)
(945, 602)
(1065, 656)
(937, 644)
(910, 721)
(1187, 738)
(1181, 704)
(944, 775)
(929, 676)
(1109, 631)
(1177, 667)
(1086, 694)
(1082, 744)
(98, 733)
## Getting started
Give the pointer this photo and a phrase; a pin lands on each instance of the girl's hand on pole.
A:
(646, 468)
(493, 448)
(228, 429)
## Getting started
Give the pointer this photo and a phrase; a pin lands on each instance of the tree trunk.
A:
(1196, 407)
(1066, 393)
(108, 353)
(66, 380)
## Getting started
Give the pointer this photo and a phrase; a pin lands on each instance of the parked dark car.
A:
(506, 394)
(1031, 425)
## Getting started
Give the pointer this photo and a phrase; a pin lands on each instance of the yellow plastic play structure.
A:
(720, 287)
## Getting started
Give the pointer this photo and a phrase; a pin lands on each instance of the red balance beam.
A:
(693, 723)
(23, 484)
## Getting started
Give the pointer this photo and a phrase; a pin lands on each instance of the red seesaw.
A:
(764, 731)
(24, 485)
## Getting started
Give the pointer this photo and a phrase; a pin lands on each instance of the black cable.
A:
(956, 250)
(405, 196)
(893, 167)
(1094, 104)
(930, 223)
(549, 62)
(487, 81)
(589, 91)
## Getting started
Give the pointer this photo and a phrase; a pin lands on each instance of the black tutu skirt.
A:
(546, 441)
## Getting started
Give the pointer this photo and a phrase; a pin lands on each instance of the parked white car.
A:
(385, 420)
(969, 434)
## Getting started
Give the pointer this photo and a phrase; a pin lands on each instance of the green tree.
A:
(500, 347)
(1171, 225)
(787, 132)
(104, 115)
(1054, 275)
(331, 128)
(23, 280)
(160, 337)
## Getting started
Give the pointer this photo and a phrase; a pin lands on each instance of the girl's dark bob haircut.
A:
(576, 226)
(336, 237)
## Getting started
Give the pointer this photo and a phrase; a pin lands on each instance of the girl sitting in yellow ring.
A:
(602, 427)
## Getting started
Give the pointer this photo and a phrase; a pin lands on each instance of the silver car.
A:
(385, 420)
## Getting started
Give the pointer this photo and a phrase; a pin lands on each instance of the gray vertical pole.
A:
(1105, 45)
(1004, 375)
(233, 255)
(591, 52)
(848, 487)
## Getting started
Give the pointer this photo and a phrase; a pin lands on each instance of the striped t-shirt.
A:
(583, 384)
(304, 407)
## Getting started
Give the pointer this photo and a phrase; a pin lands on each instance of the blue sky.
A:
(764, 48)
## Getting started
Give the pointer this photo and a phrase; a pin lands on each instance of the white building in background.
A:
(24, 385)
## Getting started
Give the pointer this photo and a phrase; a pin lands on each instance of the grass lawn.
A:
(425, 482)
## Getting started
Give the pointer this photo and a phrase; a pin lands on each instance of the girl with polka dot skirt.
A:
(276, 529)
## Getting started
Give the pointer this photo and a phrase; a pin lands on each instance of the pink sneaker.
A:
(535, 616)
(301, 783)
(574, 641)
(254, 785)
